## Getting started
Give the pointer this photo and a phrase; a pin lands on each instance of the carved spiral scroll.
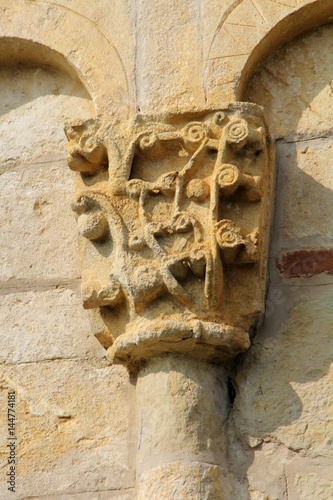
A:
(237, 132)
(228, 178)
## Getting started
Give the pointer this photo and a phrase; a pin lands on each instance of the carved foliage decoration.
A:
(173, 217)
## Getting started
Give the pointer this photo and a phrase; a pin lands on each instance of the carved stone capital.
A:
(174, 215)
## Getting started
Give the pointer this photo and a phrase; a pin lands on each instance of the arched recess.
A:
(19, 58)
(305, 19)
(86, 51)
(16, 51)
(247, 32)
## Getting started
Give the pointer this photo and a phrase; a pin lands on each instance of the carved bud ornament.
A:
(174, 217)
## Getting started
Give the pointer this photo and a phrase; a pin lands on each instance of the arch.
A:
(82, 50)
(20, 52)
(250, 30)
(309, 17)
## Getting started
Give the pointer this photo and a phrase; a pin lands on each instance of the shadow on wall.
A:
(281, 406)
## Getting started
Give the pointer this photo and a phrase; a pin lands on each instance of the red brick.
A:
(306, 263)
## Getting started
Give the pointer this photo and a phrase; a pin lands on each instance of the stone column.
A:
(173, 214)
(182, 408)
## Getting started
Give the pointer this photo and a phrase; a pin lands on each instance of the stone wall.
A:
(282, 409)
(72, 60)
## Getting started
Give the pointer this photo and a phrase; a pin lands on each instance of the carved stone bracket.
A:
(174, 215)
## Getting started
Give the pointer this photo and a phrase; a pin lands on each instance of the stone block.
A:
(169, 63)
(72, 421)
(39, 234)
(44, 324)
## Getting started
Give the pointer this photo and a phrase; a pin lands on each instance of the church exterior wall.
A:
(76, 413)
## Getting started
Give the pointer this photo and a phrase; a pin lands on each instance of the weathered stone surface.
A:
(35, 102)
(294, 86)
(278, 474)
(39, 24)
(182, 410)
(66, 440)
(116, 40)
(197, 481)
(305, 191)
(284, 386)
(35, 184)
(286, 396)
(169, 78)
(182, 407)
(25, 321)
(34, 200)
(266, 473)
(69, 440)
(173, 230)
(309, 479)
(79, 60)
